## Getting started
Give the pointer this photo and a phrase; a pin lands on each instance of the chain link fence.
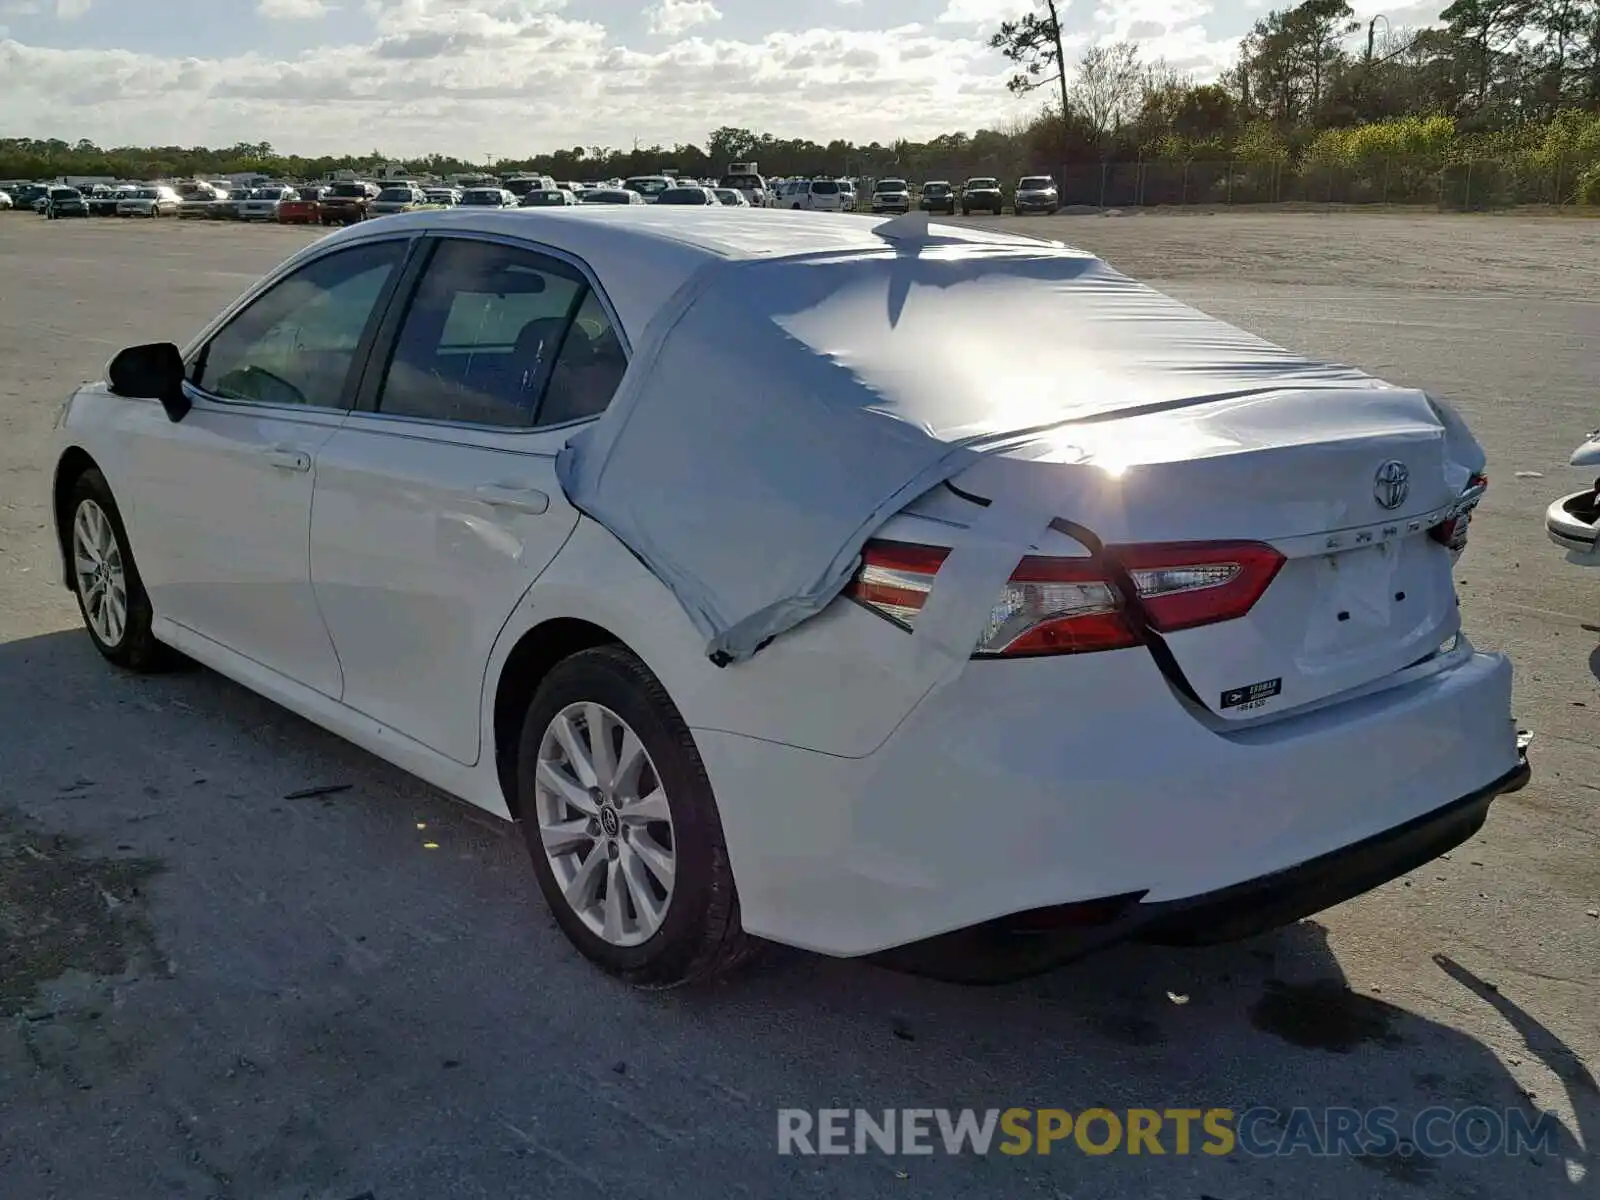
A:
(1469, 185)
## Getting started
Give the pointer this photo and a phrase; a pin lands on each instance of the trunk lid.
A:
(1345, 482)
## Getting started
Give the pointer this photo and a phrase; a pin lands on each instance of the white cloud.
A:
(513, 77)
(292, 10)
(669, 18)
(992, 12)
(71, 10)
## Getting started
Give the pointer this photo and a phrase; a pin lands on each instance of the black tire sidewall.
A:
(614, 678)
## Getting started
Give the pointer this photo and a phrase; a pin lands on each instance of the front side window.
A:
(296, 343)
(490, 329)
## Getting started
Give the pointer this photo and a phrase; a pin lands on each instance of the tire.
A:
(694, 932)
(93, 523)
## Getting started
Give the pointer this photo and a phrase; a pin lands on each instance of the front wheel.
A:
(622, 827)
(116, 611)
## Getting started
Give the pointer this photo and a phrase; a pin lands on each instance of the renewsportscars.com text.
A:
(1260, 1132)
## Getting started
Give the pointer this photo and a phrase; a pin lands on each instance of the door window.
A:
(490, 328)
(296, 343)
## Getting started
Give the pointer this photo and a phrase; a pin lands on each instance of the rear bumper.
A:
(1573, 523)
(1041, 785)
(1285, 896)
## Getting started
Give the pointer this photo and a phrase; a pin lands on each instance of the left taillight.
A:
(894, 578)
(1074, 605)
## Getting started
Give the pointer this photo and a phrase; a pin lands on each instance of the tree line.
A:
(1317, 106)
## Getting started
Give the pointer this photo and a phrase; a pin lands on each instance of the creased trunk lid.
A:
(1344, 482)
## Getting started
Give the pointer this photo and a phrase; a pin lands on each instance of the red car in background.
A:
(304, 209)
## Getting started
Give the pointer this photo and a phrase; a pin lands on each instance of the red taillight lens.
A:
(1072, 606)
(895, 578)
(1453, 532)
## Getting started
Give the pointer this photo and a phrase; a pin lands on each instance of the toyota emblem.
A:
(1392, 484)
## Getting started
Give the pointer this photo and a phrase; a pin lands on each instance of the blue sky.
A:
(512, 76)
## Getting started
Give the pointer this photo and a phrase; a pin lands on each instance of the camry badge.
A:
(1392, 484)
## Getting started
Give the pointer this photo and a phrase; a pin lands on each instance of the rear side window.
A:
(296, 343)
(490, 330)
(824, 187)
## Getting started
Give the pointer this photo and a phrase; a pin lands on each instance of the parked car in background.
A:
(396, 199)
(65, 202)
(816, 195)
(486, 197)
(28, 195)
(744, 179)
(103, 200)
(609, 195)
(938, 196)
(196, 199)
(519, 185)
(1036, 194)
(649, 186)
(150, 202)
(700, 196)
(347, 202)
(732, 197)
(6, 203)
(548, 198)
(982, 194)
(847, 194)
(226, 206)
(445, 197)
(262, 203)
(891, 196)
(304, 207)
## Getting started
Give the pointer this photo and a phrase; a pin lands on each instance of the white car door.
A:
(222, 499)
(437, 502)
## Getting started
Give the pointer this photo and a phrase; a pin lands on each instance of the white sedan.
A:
(876, 588)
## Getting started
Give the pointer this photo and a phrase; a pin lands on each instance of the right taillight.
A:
(1074, 605)
(1452, 533)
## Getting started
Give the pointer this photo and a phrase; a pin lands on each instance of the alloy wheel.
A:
(605, 823)
(98, 567)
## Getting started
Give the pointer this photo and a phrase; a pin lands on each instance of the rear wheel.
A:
(116, 611)
(622, 827)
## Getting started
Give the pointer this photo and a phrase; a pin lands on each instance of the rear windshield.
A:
(977, 184)
(608, 196)
(892, 185)
(347, 190)
(1035, 183)
(742, 182)
(480, 196)
(395, 194)
(65, 194)
(310, 193)
(647, 187)
(824, 187)
(541, 196)
(935, 189)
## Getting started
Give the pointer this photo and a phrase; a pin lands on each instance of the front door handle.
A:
(518, 499)
(288, 458)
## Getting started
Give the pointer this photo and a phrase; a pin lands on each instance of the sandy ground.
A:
(207, 989)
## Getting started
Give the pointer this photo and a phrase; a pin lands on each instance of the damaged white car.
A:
(876, 588)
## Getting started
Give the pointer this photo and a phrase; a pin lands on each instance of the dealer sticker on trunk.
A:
(1253, 696)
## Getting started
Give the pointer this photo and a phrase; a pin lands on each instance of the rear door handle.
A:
(288, 458)
(524, 500)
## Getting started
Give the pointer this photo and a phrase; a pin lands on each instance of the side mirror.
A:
(153, 372)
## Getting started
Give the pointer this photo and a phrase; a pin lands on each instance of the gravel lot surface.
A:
(207, 989)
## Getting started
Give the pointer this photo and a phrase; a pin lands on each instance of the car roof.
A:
(643, 254)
